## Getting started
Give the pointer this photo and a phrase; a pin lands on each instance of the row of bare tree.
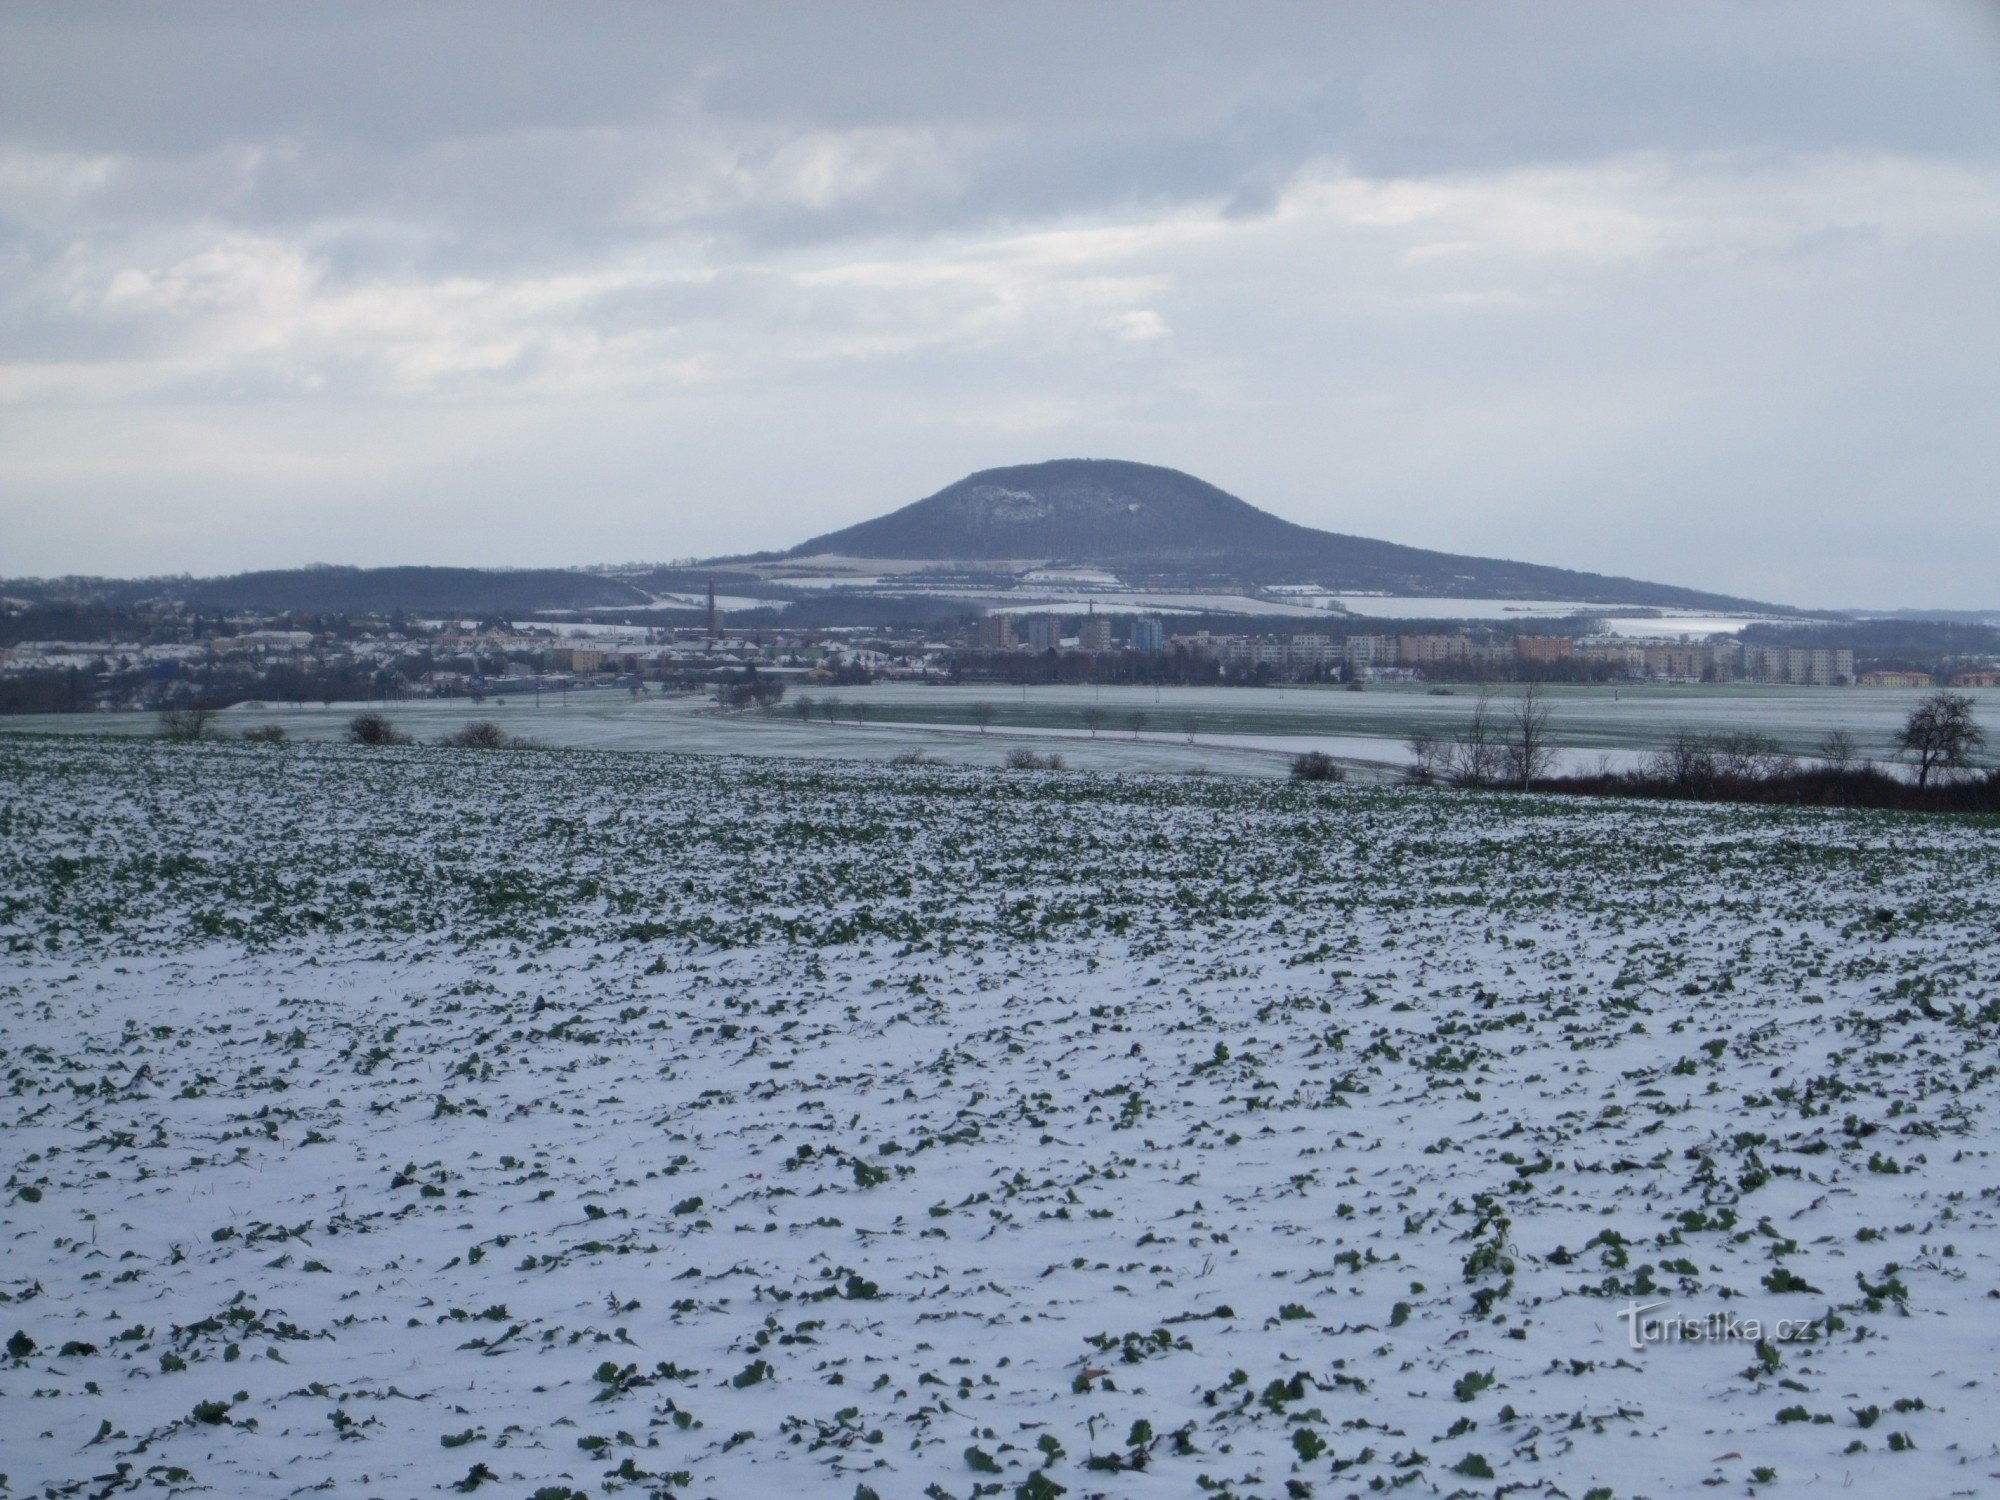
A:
(1500, 746)
(1508, 746)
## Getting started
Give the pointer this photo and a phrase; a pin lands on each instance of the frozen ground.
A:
(1522, 612)
(569, 1123)
(1235, 731)
(613, 720)
(1620, 725)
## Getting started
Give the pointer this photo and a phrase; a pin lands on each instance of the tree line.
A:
(1937, 745)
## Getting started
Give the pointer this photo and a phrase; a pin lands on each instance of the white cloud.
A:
(1138, 325)
(261, 313)
(1372, 280)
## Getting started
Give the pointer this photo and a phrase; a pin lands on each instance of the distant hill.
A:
(1151, 525)
(1144, 521)
(474, 591)
(360, 591)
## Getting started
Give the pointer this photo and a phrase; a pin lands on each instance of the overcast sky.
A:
(1697, 292)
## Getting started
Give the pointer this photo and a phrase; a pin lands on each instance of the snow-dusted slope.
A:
(384, 1123)
(1147, 521)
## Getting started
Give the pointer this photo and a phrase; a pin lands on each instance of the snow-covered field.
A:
(403, 1122)
(1522, 612)
(1229, 730)
(613, 720)
(1625, 723)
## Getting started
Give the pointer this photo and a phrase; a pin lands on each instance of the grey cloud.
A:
(1594, 285)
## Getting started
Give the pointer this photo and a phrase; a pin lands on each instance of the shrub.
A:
(374, 729)
(756, 692)
(912, 758)
(480, 734)
(1691, 770)
(184, 724)
(266, 734)
(1021, 758)
(1317, 765)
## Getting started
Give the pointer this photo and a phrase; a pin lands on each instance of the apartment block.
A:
(1546, 649)
(1431, 650)
(1808, 666)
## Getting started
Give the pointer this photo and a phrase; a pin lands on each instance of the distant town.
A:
(169, 655)
(1066, 571)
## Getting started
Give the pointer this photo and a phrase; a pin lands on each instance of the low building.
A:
(1895, 677)
(1985, 677)
(269, 640)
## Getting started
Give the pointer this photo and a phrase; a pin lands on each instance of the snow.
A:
(1044, 600)
(556, 626)
(381, 1121)
(1240, 731)
(1624, 723)
(734, 603)
(1670, 624)
(1524, 613)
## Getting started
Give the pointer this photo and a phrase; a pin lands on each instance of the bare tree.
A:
(1474, 756)
(1940, 735)
(1135, 721)
(860, 712)
(1426, 754)
(1745, 755)
(1529, 754)
(1687, 762)
(1190, 726)
(803, 706)
(1093, 720)
(830, 706)
(982, 714)
(1837, 750)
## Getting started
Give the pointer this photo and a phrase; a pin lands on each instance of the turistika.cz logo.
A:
(1643, 1328)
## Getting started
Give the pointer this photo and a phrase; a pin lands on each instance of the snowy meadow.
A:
(569, 1123)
